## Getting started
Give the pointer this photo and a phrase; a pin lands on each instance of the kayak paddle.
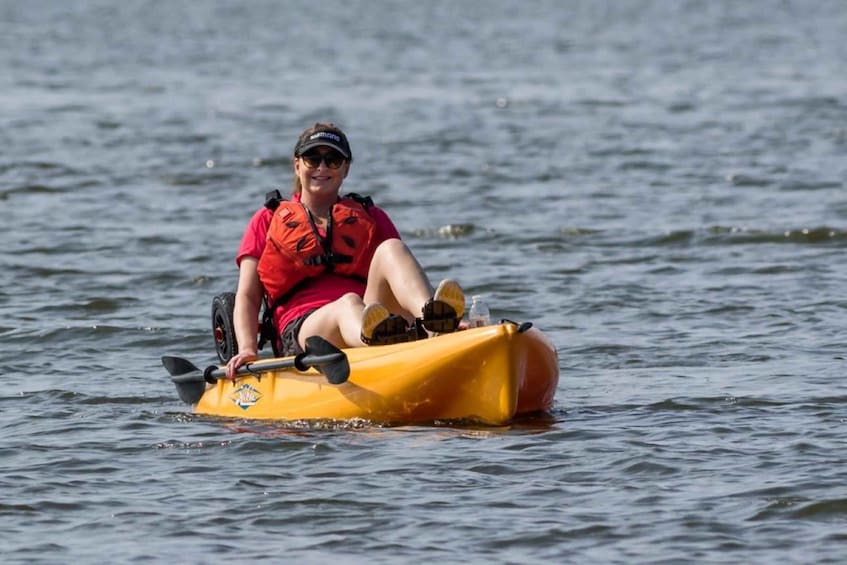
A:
(191, 382)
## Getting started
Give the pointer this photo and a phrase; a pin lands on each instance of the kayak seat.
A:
(442, 313)
(381, 327)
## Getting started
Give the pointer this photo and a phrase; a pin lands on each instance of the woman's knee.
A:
(388, 255)
(350, 301)
(391, 248)
(330, 314)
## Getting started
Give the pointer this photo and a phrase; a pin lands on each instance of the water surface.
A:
(658, 186)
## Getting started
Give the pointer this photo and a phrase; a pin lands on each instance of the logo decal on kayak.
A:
(245, 396)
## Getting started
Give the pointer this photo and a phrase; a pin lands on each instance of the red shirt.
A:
(316, 291)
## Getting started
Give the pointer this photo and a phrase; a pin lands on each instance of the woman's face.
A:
(321, 170)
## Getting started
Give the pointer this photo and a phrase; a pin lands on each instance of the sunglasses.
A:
(332, 159)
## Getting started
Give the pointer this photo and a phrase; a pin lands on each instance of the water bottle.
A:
(479, 315)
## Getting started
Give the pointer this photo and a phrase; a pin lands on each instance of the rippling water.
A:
(657, 185)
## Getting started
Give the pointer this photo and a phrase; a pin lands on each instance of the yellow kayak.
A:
(487, 375)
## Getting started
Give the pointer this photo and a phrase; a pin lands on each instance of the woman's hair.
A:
(333, 137)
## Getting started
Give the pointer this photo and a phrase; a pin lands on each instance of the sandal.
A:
(442, 313)
(381, 327)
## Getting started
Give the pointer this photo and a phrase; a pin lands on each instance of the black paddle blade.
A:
(188, 379)
(178, 366)
(326, 358)
(336, 372)
(192, 392)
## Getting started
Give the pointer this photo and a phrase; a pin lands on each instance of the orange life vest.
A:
(295, 251)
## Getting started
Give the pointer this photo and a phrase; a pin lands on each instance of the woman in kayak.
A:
(332, 265)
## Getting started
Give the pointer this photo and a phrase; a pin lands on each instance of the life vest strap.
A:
(272, 199)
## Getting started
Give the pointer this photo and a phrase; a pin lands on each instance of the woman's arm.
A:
(248, 301)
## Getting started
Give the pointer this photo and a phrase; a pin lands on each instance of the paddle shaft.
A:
(322, 355)
(213, 373)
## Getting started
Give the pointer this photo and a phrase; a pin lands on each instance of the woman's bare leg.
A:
(339, 322)
(397, 280)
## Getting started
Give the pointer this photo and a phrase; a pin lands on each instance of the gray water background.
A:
(659, 186)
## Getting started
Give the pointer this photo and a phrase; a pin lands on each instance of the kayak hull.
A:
(487, 375)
